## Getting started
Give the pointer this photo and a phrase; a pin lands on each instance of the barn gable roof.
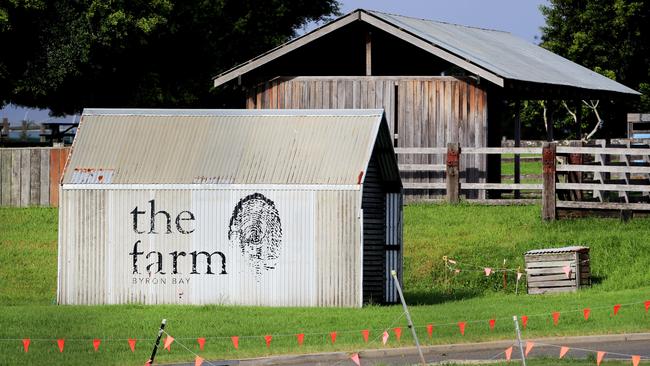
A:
(325, 147)
(493, 55)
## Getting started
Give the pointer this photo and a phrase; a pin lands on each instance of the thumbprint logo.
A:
(256, 229)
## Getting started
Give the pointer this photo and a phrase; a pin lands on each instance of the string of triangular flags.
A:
(332, 335)
(600, 355)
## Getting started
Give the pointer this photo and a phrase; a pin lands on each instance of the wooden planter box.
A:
(546, 269)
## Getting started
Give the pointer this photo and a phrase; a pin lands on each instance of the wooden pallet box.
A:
(546, 269)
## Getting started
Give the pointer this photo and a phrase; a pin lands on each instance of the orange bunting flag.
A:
(268, 339)
(398, 333)
(586, 312)
(235, 341)
(61, 343)
(529, 347)
(563, 351)
(430, 330)
(26, 344)
(333, 337)
(168, 343)
(524, 321)
(492, 323)
(599, 357)
(148, 363)
(96, 343)
(617, 307)
(508, 353)
(198, 361)
(461, 327)
(488, 271)
(301, 338)
(384, 337)
(647, 305)
(635, 360)
(355, 359)
(556, 317)
(132, 344)
(567, 271)
(365, 334)
(201, 342)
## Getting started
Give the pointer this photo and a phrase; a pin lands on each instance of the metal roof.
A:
(493, 55)
(570, 249)
(223, 146)
(505, 54)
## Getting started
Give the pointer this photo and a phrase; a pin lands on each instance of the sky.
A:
(520, 17)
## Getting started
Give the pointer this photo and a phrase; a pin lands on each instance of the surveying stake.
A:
(155, 346)
(408, 316)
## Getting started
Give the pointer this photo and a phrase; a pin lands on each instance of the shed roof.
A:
(227, 146)
(494, 55)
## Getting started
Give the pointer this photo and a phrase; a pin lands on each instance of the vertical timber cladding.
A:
(191, 251)
(421, 111)
(374, 236)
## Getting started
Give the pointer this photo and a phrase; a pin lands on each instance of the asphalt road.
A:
(627, 344)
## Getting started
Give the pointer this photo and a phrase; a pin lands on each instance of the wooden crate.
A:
(545, 269)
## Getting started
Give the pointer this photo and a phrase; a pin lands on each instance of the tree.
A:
(69, 54)
(609, 37)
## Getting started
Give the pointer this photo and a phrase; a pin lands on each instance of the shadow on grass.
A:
(434, 296)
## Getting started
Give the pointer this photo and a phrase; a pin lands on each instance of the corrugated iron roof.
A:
(494, 55)
(505, 54)
(224, 146)
(558, 250)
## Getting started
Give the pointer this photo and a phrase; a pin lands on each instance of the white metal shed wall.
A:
(319, 261)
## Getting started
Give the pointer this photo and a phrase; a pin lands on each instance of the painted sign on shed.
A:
(280, 208)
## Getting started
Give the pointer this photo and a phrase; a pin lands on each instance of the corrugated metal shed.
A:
(224, 146)
(505, 54)
(239, 207)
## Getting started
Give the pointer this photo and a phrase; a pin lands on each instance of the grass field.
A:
(474, 235)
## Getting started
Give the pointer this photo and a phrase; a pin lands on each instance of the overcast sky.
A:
(520, 17)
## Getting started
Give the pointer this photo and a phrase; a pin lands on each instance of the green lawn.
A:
(473, 235)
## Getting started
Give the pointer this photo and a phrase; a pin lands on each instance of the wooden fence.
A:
(30, 176)
(576, 180)
(611, 180)
(454, 184)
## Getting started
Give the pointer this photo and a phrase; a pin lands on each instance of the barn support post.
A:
(368, 53)
(578, 104)
(548, 186)
(517, 144)
(453, 176)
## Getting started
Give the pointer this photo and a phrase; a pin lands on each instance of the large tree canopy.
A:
(69, 54)
(609, 37)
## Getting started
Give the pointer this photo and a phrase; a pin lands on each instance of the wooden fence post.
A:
(452, 179)
(548, 176)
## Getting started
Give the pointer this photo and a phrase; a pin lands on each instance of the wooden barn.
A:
(274, 208)
(437, 82)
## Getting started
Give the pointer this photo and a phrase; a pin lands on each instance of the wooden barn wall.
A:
(421, 112)
(30, 176)
(373, 203)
